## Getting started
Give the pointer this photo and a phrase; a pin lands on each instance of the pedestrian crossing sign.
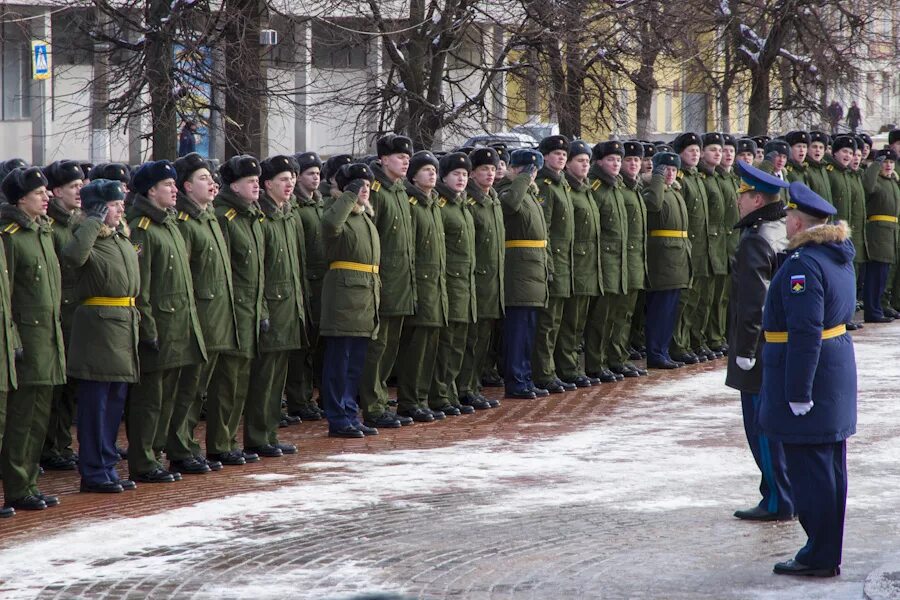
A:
(40, 59)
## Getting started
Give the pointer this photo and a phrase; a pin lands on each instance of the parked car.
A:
(537, 129)
(512, 140)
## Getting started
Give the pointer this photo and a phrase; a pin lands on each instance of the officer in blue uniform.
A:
(809, 375)
(763, 238)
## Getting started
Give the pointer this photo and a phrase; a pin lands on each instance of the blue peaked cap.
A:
(807, 201)
(758, 180)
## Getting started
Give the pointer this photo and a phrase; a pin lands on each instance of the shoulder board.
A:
(144, 223)
(540, 200)
(183, 216)
(702, 175)
(829, 168)
(413, 201)
(680, 174)
(548, 181)
(376, 185)
(230, 214)
(471, 201)
(51, 220)
(596, 185)
(789, 168)
(262, 218)
(11, 228)
(442, 202)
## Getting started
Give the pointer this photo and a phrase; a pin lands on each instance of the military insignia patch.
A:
(138, 248)
(798, 284)
(376, 185)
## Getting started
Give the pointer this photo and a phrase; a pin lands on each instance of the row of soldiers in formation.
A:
(265, 279)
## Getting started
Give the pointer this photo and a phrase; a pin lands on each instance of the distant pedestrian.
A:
(854, 117)
(834, 113)
(187, 139)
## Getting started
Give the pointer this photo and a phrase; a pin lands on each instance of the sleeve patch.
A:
(138, 248)
(798, 284)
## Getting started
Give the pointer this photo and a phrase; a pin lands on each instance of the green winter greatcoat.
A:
(243, 234)
(882, 210)
(668, 258)
(431, 259)
(794, 171)
(9, 337)
(35, 295)
(817, 179)
(211, 273)
(459, 242)
(637, 233)
(103, 343)
(586, 249)
(729, 183)
(166, 298)
(553, 194)
(490, 234)
(840, 183)
(693, 193)
(308, 212)
(717, 228)
(349, 297)
(526, 267)
(607, 194)
(858, 216)
(390, 202)
(62, 223)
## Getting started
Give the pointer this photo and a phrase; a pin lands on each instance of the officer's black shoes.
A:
(59, 463)
(234, 458)
(437, 414)
(26, 503)
(491, 401)
(687, 358)
(213, 465)
(551, 386)
(286, 448)
(190, 466)
(594, 380)
(665, 364)
(366, 429)
(792, 567)
(474, 402)
(884, 319)
(269, 451)
(851, 326)
(758, 513)
(521, 394)
(569, 387)
(48, 500)
(579, 382)
(404, 421)
(604, 376)
(417, 414)
(385, 420)
(634, 354)
(448, 409)
(154, 476)
(346, 432)
(623, 371)
(641, 372)
(7, 512)
(291, 418)
(892, 313)
(308, 413)
(127, 484)
(540, 392)
(105, 487)
(250, 456)
(465, 409)
(123, 453)
(492, 381)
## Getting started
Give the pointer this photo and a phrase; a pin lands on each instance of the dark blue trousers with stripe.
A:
(818, 475)
(774, 486)
(876, 278)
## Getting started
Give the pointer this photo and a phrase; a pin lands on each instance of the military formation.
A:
(167, 293)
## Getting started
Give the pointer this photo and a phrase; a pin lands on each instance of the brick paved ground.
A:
(623, 491)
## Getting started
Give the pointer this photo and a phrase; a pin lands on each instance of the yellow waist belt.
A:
(526, 243)
(781, 337)
(107, 301)
(673, 233)
(353, 266)
(886, 218)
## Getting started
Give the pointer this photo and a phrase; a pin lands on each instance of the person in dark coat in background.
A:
(809, 375)
(755, 262)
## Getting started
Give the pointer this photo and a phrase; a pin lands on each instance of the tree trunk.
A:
(245, 80)
(160, 62)
(759, 103)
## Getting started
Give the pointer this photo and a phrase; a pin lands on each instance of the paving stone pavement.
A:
(621, 491)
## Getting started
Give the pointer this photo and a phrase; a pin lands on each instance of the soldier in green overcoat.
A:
(858, 209)
(882, 212)
(708, 322)
(816, 173)
(8, 345)
(239, 218)
(35, 297)
(487, 217)
(103, 347)
(214, 295)
(553, 192)
(526, 270)
(585, 267)
(390, 203)
(668, 257)
(170, 334)
(691, 305)
(796, 168)
(351, 291)
(729, 182)
(284, 296)
(305, 364)
(462, 305)
(421, 332)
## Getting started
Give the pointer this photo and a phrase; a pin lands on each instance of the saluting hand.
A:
(97, 212)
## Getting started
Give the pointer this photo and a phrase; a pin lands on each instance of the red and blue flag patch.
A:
(798, 284)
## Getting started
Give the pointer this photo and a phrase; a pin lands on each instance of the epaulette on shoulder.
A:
(11, 228)
(262, 218)
(413, 201)
(470, 201)
(789, 169)
(548, 181)
(442, 202)
(144, 223)
(829, 168)
(183, 216)
(230, 214)
(376, 185)
(51, 220)
(680, 174)
(596, 185)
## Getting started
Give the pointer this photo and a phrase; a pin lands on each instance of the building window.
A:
(337, 48)
(72, 43)
(15, 71)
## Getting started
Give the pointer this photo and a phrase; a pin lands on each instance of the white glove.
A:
(745, 363)
(801, 408)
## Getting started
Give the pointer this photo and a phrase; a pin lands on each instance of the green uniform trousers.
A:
(415, 369)
(451, 352)
(571, 334)
(639, 321)
(27, 415)
(618, 349)
(181, 443)
(702, 309)
(380, 358)
(262, 410)
(304, 373)
(684, 338)
(596, 334)
(148, 411)
(479, 340)
(225, 399)
(493, 364)
(717, 326)
(59, 428)
(546, 336)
